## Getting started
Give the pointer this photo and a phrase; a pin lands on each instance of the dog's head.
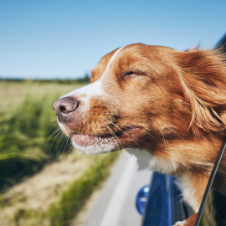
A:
(146, 97)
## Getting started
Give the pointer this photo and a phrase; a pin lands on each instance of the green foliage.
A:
(24, 139)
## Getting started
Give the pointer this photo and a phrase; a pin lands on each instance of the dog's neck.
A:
(192, 185)
(148, 161)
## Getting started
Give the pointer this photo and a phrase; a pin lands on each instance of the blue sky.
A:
(66, 39)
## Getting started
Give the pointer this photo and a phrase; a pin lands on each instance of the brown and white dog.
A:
(165, 106)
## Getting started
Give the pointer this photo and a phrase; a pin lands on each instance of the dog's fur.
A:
(165, 106)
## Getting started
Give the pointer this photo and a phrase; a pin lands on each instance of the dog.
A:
(166, 107)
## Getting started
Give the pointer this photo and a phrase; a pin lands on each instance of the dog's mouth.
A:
(121, 136)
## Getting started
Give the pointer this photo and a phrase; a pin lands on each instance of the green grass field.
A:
(13, 93)
(27, 121)
(31, 150)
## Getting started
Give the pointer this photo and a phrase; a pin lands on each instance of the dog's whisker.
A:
(58, 133)
(54, 125)
(65, 142)
(113, 133)
(62, 146)
(54, 132)
(60, 139)
(126, 133)
(118, 142)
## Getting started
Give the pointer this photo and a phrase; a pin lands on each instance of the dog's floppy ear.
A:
(202, 75)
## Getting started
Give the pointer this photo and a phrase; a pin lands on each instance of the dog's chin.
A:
(106, 143)
(96, 148)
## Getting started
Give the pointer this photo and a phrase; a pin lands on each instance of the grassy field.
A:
(13, 93)
(42, 180)
(27, 121)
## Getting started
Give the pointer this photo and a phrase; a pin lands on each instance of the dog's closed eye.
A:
(133, 73)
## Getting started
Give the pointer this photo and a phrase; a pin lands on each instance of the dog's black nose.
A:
(65, 106)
